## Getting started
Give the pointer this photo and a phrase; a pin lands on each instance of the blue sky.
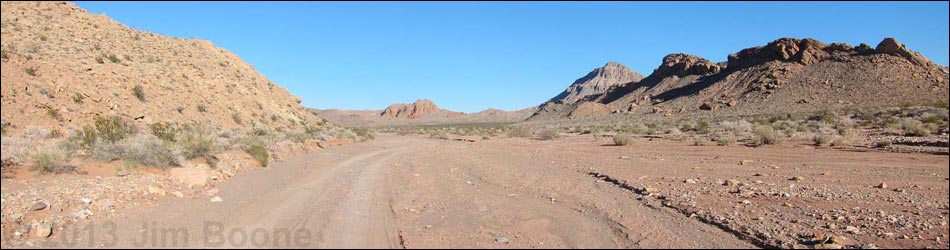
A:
(469, 56)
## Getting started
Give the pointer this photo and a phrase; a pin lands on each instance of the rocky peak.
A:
(681, 65)
(597, 82)
(891, 46)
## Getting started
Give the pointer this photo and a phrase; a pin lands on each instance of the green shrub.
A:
(164, 131)
(699, 141)
(78, 98)
(54, 113)
(142, 148)
(112, 129)
(519, 132)
(549, 134)
(257, 150)
(702, 126)
(915, 128)
(765, 135)
(622, 139)
(364, 134)
(237, 119)
(195, 144)
(139, 92)
(725, 139)
(112, 58)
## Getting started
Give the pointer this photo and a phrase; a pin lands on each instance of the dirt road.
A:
(414, 192)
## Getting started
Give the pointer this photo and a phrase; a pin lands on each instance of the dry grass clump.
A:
(549, 134)
(622, 139)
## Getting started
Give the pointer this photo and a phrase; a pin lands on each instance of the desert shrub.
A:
(914, 128)
(839, 141)
(100, 60)
(826, 116)
(519, 132)
(822, 139)
(702, 126)
(364, 134)
(883, 143)
(139, 92)
(257, 151)
(164, 131)
(180, 109)
(765, 135)
(54, 159)
(16, 150)
(237, 119)
(30, 71)
(54, 113)
(196, 144)
(699, 141)
(622, 139)
(724, 139)
(549, 134)
(128, 167)
(142, 148)
(78, 98)
(202, 108)
(846, 131)
(112, 58)
(112, 129)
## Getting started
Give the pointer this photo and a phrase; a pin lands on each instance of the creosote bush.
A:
(549, 134)
(622, 139)
(766, 135)
(139, 92)
(257, 151)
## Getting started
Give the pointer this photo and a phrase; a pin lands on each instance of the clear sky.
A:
(469, 56)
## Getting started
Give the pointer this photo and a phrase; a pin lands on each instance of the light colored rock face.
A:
(192, 177)
(57, 56)
(419, 109)
(597, 82)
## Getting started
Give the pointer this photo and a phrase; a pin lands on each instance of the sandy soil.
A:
(574, 192)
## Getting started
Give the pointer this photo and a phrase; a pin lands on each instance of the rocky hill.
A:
(785, 75)
(62, 67)
(594, 83)
(422, 111)
(417, 110)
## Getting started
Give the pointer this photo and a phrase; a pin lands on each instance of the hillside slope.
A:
(63, 66)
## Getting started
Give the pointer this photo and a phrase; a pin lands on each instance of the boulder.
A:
(193, 177)
(891, 46)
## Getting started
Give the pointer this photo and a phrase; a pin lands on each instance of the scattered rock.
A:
(852, 230)
(38, 206)
(217, 199)
(22, 230)
(42, 230)
(193, 177)
(178, 194)
(690, 181)
(731, 183)
(86, 201)
(883, 185)
(501, 240)
(828, 246)
(157, 191)
(746, 202)
(796, 178)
